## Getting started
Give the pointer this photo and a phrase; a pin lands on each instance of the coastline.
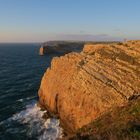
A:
(50, 90)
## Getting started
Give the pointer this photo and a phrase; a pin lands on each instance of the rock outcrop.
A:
(61, 47)
(80, 87)
(41, 50)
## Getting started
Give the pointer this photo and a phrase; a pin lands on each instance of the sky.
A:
(43, 20)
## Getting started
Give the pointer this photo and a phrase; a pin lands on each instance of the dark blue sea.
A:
(21, 70)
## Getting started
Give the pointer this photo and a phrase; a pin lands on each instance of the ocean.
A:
(21, 70)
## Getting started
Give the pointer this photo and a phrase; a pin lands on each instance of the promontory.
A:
(83, 87)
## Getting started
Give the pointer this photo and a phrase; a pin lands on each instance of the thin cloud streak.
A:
(36, 37)
(84, 37)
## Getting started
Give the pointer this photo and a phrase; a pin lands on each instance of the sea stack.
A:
(80, 87)
(41, 51)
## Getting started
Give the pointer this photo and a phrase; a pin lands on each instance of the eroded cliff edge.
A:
(64, 47)
(80, 87)
(60, 47)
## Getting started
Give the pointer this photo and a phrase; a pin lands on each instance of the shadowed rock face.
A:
(61, 47)
(80, 87)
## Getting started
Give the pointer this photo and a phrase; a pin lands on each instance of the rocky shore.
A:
(82, 87)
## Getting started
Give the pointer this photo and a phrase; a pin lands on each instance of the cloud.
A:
(36, 37)
(117, 30)
(84, 37)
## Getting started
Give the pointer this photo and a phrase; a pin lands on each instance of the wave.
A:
(36, 125)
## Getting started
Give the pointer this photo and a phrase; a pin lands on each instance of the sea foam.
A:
(37, 126)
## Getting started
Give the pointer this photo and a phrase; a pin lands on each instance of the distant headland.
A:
(64, 47)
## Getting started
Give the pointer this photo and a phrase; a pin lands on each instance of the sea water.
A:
(21, 70)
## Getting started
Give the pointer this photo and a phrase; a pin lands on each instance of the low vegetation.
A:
(121, 123)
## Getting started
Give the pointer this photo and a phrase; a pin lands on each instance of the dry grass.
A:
(121, 123)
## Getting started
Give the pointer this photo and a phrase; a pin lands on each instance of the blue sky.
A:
(42, 20)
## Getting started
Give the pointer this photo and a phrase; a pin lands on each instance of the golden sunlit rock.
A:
(79, 87)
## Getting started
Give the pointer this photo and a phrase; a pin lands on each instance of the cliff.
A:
(81, 87)
(61, 47)
(64, 47)
(120, 123)
(41, 50)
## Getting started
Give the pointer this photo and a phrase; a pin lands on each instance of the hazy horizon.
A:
(40, 21)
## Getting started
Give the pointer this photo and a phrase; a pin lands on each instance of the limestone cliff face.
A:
(41, 51)
(60, 47)
(79, 87)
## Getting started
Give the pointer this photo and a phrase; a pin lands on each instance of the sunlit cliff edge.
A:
(82, 87)
(64, 47)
